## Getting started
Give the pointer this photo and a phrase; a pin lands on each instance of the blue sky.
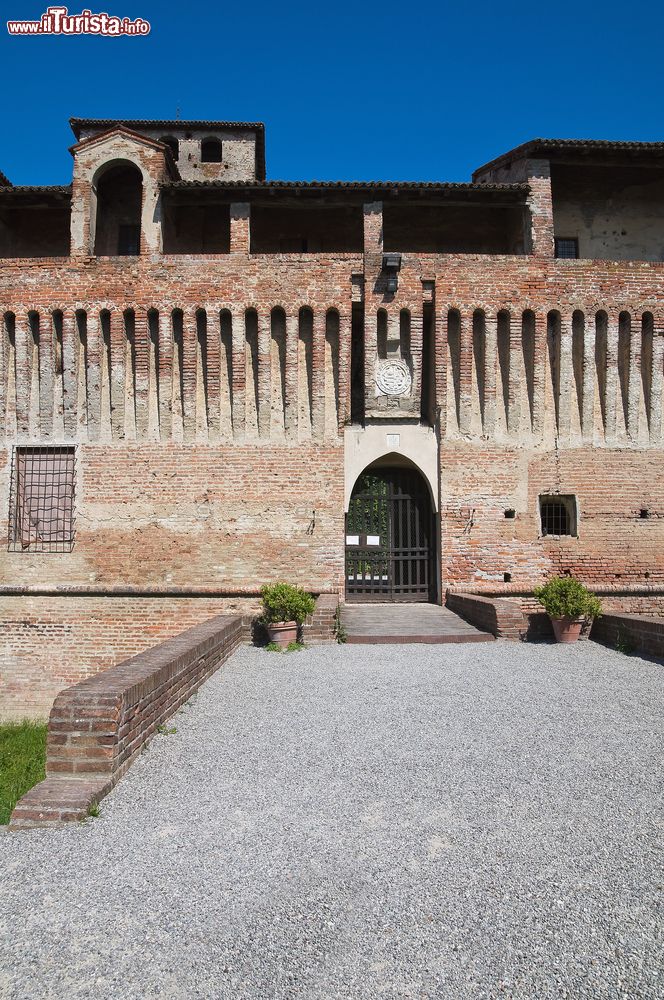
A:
(347, 91)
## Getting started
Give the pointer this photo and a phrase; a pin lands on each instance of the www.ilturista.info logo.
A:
(58, 21)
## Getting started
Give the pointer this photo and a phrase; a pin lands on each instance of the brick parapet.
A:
(50, 641)
(500, 617)
(98, 726)
(627, 602)
(618, 591)
(645, 633)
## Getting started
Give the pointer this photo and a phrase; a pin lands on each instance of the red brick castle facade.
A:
(209, 380)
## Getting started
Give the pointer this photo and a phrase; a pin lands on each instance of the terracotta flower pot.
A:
(567, 629)
(282, 633)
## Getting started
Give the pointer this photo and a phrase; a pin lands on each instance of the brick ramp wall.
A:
(320, 629)
(50, 643)
(643, 632)
(98, 726)
(502, 618)
(642, 599)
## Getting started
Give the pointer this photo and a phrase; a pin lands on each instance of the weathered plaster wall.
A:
(238, 152)
(616, 214)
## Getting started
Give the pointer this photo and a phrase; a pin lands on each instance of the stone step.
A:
(407, 623)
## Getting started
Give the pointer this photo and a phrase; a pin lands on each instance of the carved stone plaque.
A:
(393, 378)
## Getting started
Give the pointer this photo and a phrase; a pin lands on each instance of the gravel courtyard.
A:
(365, 822)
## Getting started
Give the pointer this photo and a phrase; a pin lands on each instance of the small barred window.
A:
(558, 515)
(41, 504)
(567, 249)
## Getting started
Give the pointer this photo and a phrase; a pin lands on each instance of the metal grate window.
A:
(41, 500)
(567, 249)
(558, 515)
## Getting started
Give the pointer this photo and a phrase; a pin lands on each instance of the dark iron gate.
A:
(389, 538)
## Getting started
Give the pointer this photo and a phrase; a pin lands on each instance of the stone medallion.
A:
(393, 378)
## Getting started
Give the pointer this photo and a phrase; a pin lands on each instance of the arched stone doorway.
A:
(390, 536)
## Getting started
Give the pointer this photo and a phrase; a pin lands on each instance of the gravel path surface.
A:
(365, 822)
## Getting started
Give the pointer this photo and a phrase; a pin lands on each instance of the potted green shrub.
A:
(284, 610)
(568, 604)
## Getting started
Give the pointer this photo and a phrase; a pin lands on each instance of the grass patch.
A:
(22, 762)
(624, 643)
(292, 647)
(339, 631)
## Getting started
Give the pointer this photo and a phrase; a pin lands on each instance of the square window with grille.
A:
(41, 500)
(567, 248)
(558, 515)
